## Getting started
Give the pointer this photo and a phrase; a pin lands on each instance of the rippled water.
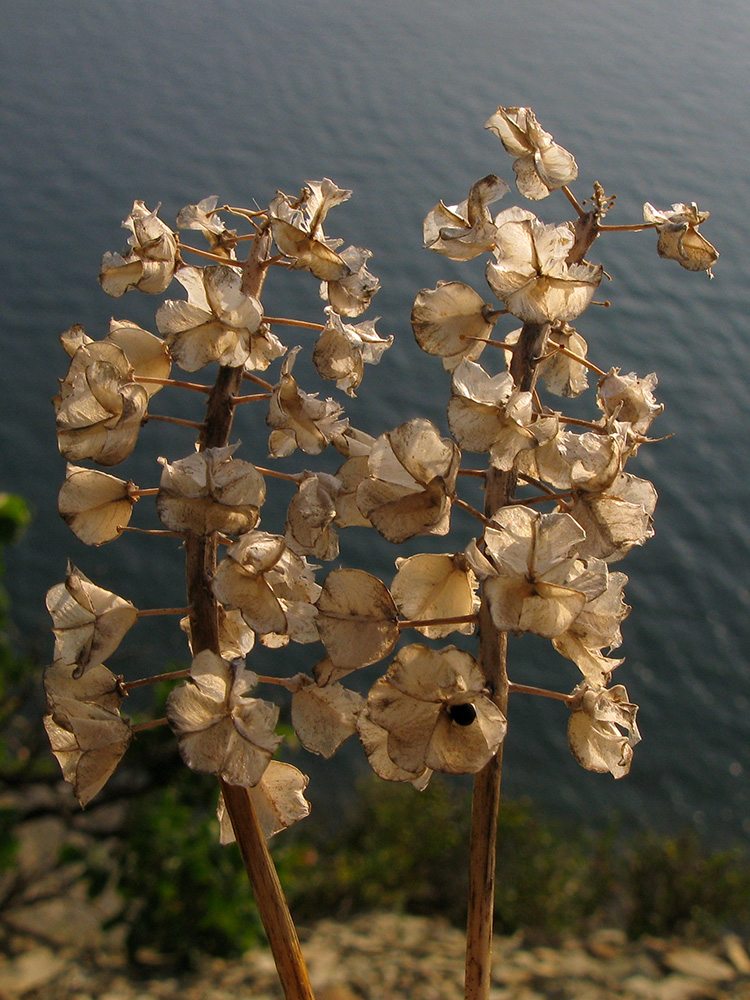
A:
(105, 103)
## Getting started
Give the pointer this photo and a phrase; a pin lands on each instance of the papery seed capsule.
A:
(463, 714)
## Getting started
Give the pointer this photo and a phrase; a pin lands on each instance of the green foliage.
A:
(187, 894)
(395, 853)
(674, 886)
(409, 852)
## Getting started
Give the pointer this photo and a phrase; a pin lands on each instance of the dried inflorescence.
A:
(560, 507)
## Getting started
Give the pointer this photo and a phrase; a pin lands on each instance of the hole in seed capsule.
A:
(463, 714)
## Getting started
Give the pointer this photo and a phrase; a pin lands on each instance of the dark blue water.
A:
(104, 103)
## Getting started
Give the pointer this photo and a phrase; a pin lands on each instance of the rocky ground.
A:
(54, 947)
(390, 957)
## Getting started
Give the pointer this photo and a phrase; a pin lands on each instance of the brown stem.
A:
(140, 727)
(204, 634)
(172, 420)
(420, 622)
(215, 258)
(541, 692)
(253, 398)
(145, 613)
(305, 324)
(173, 675)
(176, 383)
(277, 921)
(493, 659)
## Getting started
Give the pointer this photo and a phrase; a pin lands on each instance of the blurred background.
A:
(101, 104)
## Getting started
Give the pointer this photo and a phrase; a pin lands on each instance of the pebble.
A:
(389, 957)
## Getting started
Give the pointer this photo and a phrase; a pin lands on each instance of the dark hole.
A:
(463, 714)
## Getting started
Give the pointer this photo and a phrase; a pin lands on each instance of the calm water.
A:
(104, 103)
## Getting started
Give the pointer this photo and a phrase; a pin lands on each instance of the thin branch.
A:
(541, 692)
(173, 420)
(558, 498)
(292, 477)
(257, 380)
(472, 510)
(637, 228)
(423, 622)
(492, 343)
(176, 383)
(213, 257)
(254, 398)
(148, 612)
(533, 481)
(137, 493)
(162, 532)
(141, 727)
(294, 322)
(577, 357)
(173, 675)
(572, 199)
(575, 422)
(478, 473)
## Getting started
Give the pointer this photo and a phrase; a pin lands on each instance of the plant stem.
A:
(493, 659)
(173, 675)
(305, 324)
(176, 383)
(277, 920)
(421, 622)
(252, 398)
(204, 633)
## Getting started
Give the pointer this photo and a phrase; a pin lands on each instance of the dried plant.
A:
(559, 508)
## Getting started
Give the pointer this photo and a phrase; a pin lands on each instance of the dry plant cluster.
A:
(559, 508)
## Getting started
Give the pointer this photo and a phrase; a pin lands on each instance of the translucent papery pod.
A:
(310, 517)
(357, 619)
(589, 462)
(452, 321)
(210, 491)
(562, 374)
(629, 399)
(95, 505)
(602, 730)
(204, 218)
(146, 354)
(374, 740)
(342, 350)
(488, 414)
(596, 628)
(464, 231)
(433, 705)
(278, 800)
(531, 275)
(615, 519)
(298, 232)
(86, 733)
(218, 322)
(679, 238)
(324, 717)
(542, 165)
(429, 587)
(149, 264)
(411, 483)
(533, 581)
(273, 588)
(351, 295)
(235, 637)
(88, 743)
(299, 419)
(88, 621)
(219, 730)
(99, 409)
